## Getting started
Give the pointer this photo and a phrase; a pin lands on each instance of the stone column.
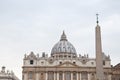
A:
(63, 76)
(34, 76)
(77, 75)
(25, 76)
(80, 76)
(89, 76)
(54, 75)
(46, 75)
(57, 75)
(109, 77)
(71, 76)
(37, 76)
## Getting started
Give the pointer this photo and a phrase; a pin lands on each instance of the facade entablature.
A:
(44, 60)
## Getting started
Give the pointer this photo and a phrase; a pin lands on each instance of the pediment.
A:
(67, 64)
(31, 56)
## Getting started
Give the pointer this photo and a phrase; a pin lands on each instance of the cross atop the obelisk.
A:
(97, 18)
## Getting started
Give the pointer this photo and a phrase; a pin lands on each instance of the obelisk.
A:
(99, 59)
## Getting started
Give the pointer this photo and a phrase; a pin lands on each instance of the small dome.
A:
(63, 46)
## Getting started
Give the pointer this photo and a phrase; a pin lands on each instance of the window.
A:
(30, 75)
(74, 56)
(67, 76)
(50, 76)
(84, 61)
(60, 76)
(73, 62)
(64, 49)
(31, 61)
(65, 56)
(42, 62)
(92, 63)
(103, 62)
(92, 74)
(84, 76)
(74, 76)
(42, 77)
(59, 49)
(92, 77)
(60, 62)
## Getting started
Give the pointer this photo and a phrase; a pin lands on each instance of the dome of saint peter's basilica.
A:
(63, 48)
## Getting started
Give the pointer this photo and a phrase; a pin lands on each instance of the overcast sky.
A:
(36, 25)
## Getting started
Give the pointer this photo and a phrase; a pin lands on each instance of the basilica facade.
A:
(65, 63)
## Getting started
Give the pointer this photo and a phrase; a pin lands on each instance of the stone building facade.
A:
(116, 72)
(64, 63)
(6, 75)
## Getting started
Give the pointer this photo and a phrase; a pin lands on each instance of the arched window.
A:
(59, 49)
(64, 49)
(67, 76)
(60, 76)
(84, 76)
(92, 76)
(30, 75)
(74, 76)
(41, 76)
(50, 75)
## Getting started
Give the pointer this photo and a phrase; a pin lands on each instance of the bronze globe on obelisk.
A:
(99, 59)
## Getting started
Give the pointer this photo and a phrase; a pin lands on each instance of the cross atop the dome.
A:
(63, 37)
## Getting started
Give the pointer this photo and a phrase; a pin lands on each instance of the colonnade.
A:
(67, 76)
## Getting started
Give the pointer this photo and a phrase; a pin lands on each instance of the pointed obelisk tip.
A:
(97, 18)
